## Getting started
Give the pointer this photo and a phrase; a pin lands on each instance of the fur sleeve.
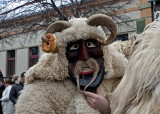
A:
(49, 67)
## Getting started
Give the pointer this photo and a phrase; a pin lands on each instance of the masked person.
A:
(79, 57)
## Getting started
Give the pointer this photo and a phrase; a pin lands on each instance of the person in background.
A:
(15, 79)
(7, 105)
(2, 88)
(1, 74)
(16, 88)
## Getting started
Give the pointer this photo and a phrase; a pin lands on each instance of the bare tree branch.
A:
(38, 14)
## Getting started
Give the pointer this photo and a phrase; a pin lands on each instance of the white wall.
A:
(3, 62)
(40, 52)
(22, 57)
(23, 40)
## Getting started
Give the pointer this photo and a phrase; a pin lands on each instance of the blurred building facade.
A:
(18, 58)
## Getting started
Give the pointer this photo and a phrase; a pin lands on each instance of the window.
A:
(33, 56)
(122, 37)
(140, 26)
(11, 63)
(158, 6)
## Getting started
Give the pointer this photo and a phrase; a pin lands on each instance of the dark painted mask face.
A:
(86, 67)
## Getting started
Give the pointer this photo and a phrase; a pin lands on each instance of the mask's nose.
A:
(83, 52)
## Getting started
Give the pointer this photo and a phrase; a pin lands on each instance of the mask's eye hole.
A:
(90, 44)
(74, 47)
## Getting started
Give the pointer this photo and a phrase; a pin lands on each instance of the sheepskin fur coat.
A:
(139, 90)
(49, 89)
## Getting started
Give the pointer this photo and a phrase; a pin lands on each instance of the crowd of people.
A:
(10, 88)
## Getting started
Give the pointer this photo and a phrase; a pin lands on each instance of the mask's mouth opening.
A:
(87, 75)
(86, 67)
(87, 70)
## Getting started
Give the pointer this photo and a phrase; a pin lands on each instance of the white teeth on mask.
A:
(85, 69)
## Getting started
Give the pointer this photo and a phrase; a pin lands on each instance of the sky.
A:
(7, 5)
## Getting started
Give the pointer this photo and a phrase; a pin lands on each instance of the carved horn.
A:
(49, 42)
(104, 20)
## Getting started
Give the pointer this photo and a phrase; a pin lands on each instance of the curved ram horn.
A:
(58, 26)
(104, 20)
(49, 42)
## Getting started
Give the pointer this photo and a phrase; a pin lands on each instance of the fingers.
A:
(89, 94)
(97, 101)
(91, 101)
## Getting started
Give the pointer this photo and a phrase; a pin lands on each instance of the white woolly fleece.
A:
(139, 90)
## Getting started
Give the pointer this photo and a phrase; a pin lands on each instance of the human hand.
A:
(97, 101)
